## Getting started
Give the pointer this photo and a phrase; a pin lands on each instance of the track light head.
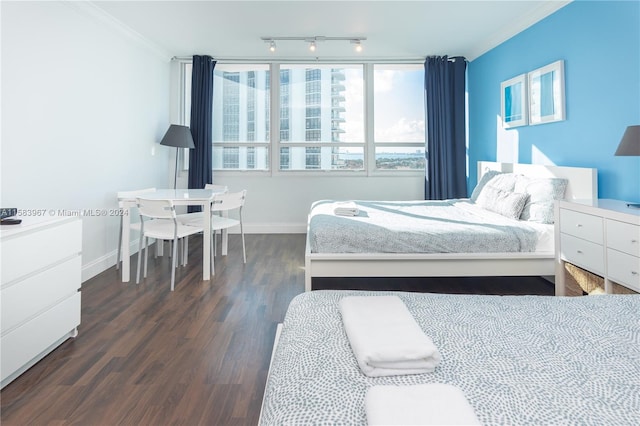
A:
(313, 41)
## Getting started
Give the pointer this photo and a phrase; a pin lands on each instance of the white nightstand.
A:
(39, 283)
(602, 237)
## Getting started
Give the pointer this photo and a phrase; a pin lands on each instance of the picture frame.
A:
(546, 94)
(513, 102)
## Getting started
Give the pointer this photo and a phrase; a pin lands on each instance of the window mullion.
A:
(274, 119)
(369, 145)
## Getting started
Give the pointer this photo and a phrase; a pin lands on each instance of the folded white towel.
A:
(385, 338)
(345, 208)
(427, 404)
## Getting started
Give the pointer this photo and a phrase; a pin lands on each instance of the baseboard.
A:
(101, 264)
(272, 228)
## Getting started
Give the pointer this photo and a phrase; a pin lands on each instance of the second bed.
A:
(435, 238)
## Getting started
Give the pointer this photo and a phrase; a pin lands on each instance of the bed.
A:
(391, 262)
(518, 359)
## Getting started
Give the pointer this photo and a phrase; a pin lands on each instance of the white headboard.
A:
(583, 182)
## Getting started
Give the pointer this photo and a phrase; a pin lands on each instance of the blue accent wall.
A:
(599, 42)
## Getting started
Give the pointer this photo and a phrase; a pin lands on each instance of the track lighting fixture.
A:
(357, 41)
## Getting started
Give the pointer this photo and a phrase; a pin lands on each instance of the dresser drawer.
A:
(583, 253)
(28, 342)
(624, 237)
(27, 298)
(33, 251)
(582, 225)
(624, 269)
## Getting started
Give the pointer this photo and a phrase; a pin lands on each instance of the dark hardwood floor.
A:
(196, 356)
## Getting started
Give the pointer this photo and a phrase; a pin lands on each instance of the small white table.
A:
(601, 237)
(179, 197)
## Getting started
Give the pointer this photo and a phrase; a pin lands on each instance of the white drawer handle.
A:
(634, 273)
(634, 241)
(579, 251)
(579, 225)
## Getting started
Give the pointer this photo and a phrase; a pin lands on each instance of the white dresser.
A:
(602, 237)
(39, 289)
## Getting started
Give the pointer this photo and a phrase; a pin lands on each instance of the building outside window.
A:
(241, 99)
(230, 157)
(319, 97)
(284, 159)
(322, 119)
(251, 158)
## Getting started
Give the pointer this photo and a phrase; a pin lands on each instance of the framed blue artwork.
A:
(546, 94)
(513, 101)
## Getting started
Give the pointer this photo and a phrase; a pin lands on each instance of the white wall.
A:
(84, 105)
(281, 204)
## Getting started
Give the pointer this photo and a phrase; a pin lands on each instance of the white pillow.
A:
(509, 204)
(498, 180)
(483, 181)
(504, 181)
(543, 192)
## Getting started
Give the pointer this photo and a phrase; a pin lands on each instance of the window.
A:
(230, 157)
(251, 158)
(399, 117)
(364, 118)
(312, 160)
(241, 117)
(324, 116)
(284, 158)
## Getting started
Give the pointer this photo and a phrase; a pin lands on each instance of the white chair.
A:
(185, 218)
(188, 217)
(225, 204)
(127, 200)
(158, 220)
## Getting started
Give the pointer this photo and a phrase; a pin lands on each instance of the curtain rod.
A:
(308, 60)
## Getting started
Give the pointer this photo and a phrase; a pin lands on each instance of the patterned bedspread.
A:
(520, 360)
(450, 226)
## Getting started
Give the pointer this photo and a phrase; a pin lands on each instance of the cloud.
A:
(403, 130)
(383, 80)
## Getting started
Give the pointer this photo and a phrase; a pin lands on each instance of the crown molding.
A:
(91, 10)
(508, 31)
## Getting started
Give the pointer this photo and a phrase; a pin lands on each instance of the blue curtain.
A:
(444, 84)
(200, 158)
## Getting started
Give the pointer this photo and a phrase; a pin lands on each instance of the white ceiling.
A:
(394, 29)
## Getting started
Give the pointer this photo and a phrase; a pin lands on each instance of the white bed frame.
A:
(583, 185)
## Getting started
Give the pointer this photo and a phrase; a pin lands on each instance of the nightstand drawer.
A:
(582, 225)
(583, 253)
(37, 293)
(624, 237)
(624, 269)
(34, 251)
(22, 345)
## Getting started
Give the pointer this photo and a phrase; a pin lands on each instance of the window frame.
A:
(273, 144)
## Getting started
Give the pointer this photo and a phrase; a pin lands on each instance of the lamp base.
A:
(633, 205)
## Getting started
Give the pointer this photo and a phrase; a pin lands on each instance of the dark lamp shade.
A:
(178, 136)
(630, 143)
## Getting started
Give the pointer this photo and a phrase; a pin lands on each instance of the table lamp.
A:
(630, 146)
(179, 137)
